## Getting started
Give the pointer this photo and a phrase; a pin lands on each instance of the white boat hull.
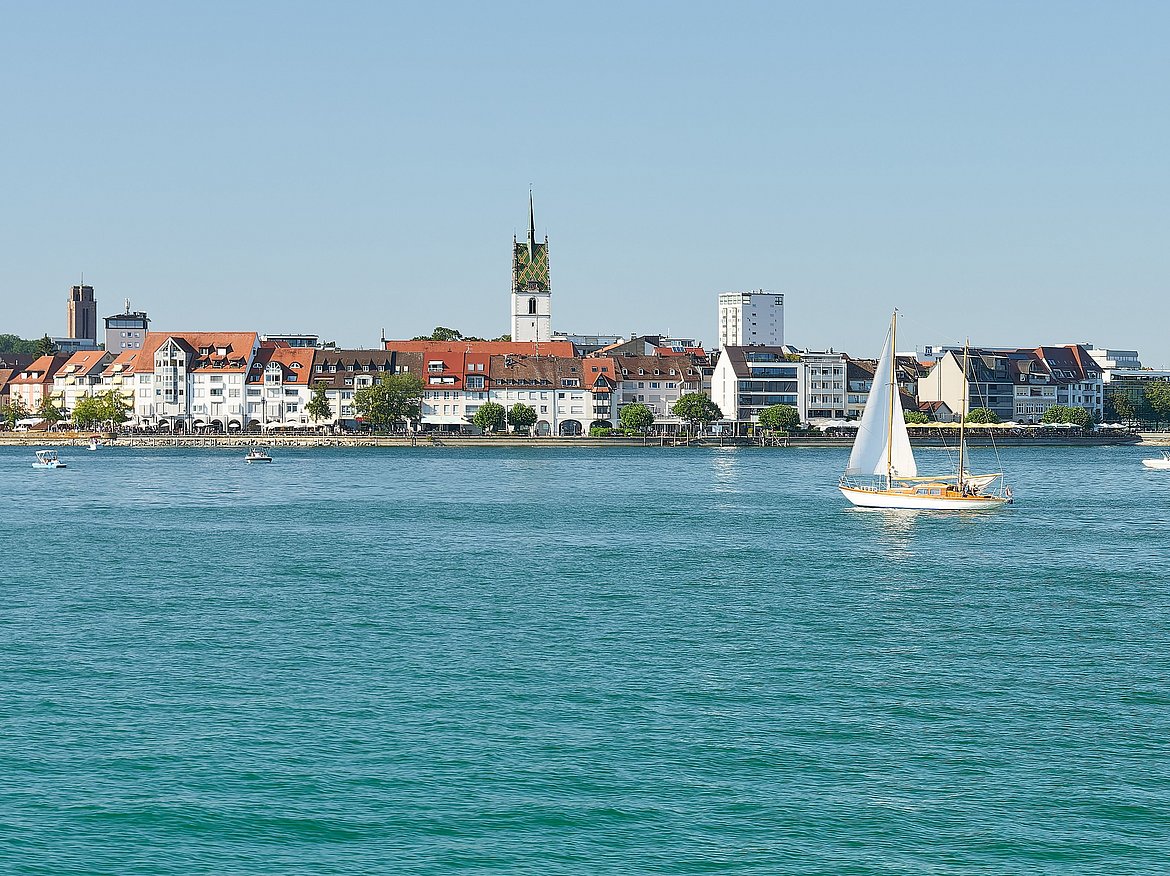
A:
(898, 499)
(1161, 464)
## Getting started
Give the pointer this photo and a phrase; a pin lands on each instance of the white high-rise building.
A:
(751, 319)
(531, 287)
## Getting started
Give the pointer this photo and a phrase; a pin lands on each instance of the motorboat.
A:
(48, 459)
(93, 444)
(257, 455)
(1162, 464)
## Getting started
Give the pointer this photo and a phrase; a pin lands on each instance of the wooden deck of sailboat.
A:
(928, 497)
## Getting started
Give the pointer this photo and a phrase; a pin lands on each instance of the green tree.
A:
(522, 417)
(392, 400)
(15, 344)
(982, 415)
(318, 407)
(89, 412)
(49, 411)
(1157, 395)
(116, 408)
(697, 409)
(1118, 406)
(1064, 414)
(780, 418)
(636, 417)
(45, 347)
(503, 338)
(442, 333)
(490, 417)
(15, 410)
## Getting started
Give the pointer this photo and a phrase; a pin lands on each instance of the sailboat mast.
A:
(893, 398)
(964, 406)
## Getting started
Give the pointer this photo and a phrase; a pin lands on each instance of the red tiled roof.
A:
(123, 363)
(563, 349)
(42, 370)
(84, 361)
(239, 346)
(297, 363)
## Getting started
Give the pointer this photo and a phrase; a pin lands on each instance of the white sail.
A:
(882, 440)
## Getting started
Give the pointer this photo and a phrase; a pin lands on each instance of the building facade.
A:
(751, 319)
(82, 322)
(126, 330)
(80, 376)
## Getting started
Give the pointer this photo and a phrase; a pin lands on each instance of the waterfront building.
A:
(192, 380)
(35, 382)
(11, 364)
(80, 376)
(278, 389)
(656, 381)
(6, 375)
(119, 374)
(823, 385)
(568, 395)
(531, 286)
(989, 382)
(748, 379)
(1075, 376)
(1019, 385)
(82, 323)
(751, 319)
(126, 330)
(345, 371)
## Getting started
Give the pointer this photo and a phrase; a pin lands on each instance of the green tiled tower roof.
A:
(530, 260)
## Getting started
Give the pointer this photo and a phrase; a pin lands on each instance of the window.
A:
(531, 306)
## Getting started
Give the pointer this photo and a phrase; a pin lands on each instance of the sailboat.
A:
(882, 472)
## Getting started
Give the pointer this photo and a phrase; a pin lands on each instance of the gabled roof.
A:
(296, 363)
(123, 363)
(41, 370)
(656, 367)
(347, 363)
(85, 362)
(540, 372)
(599, 372)
(203, 349)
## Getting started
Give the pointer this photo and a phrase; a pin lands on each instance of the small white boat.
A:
(257, 455)
(48, 459)
(1163, 463)
(93, 444)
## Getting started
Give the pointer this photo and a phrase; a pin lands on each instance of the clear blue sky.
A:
(993, 169)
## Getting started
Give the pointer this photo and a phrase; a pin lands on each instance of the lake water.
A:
(578, 661)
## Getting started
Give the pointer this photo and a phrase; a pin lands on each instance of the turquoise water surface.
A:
(584, 661)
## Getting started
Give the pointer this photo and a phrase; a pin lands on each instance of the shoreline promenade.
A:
(211, 442)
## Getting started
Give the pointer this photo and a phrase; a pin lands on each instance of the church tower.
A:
(531, 291)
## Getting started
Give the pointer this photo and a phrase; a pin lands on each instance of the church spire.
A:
(531, 227)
